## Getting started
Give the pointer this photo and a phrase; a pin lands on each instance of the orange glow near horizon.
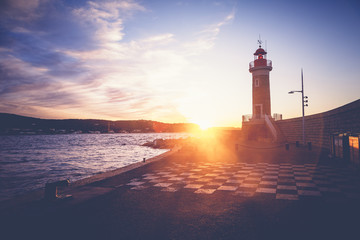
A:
(204, 125)
(215, 143)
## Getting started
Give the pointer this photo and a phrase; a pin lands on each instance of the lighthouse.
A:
(260, 69)
(261, 125)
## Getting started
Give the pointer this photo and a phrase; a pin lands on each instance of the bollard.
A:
(297, 144)
(51, 189)
(309, 146)
(143, 159)
(287, 146)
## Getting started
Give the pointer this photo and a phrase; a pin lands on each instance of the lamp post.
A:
(304, 104)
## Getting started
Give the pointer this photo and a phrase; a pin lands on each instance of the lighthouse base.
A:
(256, 131)
(264, 129)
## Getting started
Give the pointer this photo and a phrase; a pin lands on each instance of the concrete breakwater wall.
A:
(319, 127)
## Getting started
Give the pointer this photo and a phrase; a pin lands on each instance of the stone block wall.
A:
(255, 131)
(319, 127)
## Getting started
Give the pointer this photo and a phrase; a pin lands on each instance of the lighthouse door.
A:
(258, 111)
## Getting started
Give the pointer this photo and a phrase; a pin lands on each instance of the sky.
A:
(174, 61)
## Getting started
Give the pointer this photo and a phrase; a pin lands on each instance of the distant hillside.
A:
(15, 124)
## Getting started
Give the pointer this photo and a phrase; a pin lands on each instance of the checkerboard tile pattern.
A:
(282, 181)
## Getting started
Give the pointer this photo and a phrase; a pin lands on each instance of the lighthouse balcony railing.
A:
(250, 117)
(246, 118)
(268, 63)
(253, 118)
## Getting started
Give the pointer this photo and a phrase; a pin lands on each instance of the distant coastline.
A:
(12, 124)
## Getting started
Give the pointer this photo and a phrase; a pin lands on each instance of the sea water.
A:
(28, 162)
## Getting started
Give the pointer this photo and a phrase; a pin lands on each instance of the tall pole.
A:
(303, 107)
(304, 104)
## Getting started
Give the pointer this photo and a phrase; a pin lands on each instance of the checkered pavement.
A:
(282, 181)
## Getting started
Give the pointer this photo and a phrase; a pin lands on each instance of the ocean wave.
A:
(28, 162)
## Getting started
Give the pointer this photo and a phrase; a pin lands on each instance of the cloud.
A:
(73, 61)
(106, 18)
(26, 85)
(18, 76)
(22, 10)
(207, 37)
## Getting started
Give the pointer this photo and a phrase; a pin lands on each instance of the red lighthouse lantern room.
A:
(260, 57)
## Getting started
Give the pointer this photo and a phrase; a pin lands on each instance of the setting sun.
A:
(202, 120)
(204, 125)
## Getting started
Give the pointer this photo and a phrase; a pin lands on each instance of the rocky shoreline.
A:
(167, 143)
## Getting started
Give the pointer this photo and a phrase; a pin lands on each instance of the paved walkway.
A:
(213, 194)
(281, 181)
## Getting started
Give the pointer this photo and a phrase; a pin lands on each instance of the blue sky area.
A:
(174, 61)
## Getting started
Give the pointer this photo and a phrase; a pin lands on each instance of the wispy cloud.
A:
(21, 10)
(206, 38)
(106, 18)
(75, 62)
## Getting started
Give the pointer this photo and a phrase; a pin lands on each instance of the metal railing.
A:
(277, 116)
(246, 118)
(249, 117)
(268, 64)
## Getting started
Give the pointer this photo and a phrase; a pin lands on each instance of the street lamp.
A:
(304, 104)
